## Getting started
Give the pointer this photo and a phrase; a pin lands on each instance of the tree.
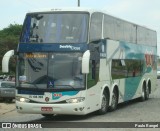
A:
(9, 38)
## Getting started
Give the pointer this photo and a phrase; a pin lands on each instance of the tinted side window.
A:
(126, 68)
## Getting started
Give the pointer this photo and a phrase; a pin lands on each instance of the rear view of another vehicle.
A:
(7, 90)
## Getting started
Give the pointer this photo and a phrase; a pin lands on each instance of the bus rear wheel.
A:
(145, 93)
(104, 103)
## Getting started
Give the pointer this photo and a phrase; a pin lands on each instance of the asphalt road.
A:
(133, 111)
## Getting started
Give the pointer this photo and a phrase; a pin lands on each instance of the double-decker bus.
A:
(77, 61)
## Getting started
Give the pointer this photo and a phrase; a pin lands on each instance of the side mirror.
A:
(85, 62)
(5, 60)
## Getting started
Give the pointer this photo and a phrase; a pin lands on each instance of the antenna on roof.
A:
(78, 3)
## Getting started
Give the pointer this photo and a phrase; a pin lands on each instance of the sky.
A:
(141, 12)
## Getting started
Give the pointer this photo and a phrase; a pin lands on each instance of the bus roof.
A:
(81, 9)
(77, 9)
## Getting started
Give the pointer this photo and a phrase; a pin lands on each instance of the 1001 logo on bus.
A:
(149, 57)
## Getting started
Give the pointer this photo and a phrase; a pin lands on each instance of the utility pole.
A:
(78, 3)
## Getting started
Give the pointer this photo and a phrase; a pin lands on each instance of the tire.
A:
(114, 102)
(143, 97)
(104, 103)
(147, 93)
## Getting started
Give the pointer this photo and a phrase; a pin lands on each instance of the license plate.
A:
(46, 109)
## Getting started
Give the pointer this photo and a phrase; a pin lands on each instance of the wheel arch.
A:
(110, 91)
(101, 110)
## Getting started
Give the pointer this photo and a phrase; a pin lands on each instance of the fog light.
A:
(76, 109)
(81, 108)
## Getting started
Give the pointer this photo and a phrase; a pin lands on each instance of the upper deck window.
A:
(55, 28)
(96, 26)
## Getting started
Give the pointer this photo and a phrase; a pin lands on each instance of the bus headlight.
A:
(22, 99)
(75, 100)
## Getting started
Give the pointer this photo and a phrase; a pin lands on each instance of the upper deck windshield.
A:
(55, 28)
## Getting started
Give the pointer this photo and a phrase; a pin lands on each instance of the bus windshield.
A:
(55, 28)
(50, 70)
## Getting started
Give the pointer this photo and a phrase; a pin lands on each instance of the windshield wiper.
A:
(78, 78)
(35, 86)
(66, 85)
(29, 85)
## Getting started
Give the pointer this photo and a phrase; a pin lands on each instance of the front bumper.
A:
(36, 108)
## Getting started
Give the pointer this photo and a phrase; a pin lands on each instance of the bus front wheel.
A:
(104, 103)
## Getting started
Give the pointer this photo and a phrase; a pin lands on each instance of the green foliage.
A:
(9, 38)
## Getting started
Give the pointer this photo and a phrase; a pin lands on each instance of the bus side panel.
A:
(130, 86)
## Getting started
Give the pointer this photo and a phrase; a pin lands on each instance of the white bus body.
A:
(80, 61)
